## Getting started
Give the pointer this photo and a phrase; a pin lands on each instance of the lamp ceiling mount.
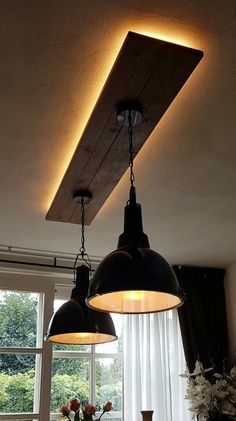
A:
(82, 196)
(132, 108)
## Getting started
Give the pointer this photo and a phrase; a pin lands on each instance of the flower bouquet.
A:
(213, 397)
(83, 412)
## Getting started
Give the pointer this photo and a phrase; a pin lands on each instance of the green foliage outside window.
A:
(70, 377)
(16, 392)
(66, 386)
(18, 315)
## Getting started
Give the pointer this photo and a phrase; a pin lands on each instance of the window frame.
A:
(47, 283)
(91, 355)
(63, 292)
(33, 282)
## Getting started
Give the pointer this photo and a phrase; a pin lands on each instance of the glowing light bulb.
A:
(134, 296)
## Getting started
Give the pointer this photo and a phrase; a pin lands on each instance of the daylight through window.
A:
(89, 373)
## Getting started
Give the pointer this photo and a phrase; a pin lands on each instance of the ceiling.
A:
(55, 58)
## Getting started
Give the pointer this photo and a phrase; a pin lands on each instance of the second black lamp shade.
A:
(75, 323)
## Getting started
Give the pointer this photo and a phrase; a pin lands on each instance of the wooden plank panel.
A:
(148, 70)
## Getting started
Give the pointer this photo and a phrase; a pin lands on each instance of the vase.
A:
(147, 415)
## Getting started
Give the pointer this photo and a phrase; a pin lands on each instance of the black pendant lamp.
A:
(133, 278)
(74, 323)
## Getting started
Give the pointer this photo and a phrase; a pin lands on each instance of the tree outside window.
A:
(91, 373)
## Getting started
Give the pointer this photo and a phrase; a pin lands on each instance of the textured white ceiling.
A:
(55, 57)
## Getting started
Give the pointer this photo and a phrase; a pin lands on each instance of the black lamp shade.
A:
(134, 278)
(74, 323)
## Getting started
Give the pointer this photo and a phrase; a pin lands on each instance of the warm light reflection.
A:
(105, 66)
(173, 38)
(133, 295)
(82, 338)
(131, 302)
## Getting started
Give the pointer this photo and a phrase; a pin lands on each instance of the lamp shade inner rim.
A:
(82, 338)
(135, 301)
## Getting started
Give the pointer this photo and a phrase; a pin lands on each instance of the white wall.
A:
(230, 296)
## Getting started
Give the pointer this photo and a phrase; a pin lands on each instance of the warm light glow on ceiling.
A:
(105, 66)
(174, 38)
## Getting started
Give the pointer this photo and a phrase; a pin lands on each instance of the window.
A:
(153, 359)
(90, 373)
(24, 356)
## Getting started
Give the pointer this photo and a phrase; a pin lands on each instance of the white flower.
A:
(219, 395)
(217, 375)
(198, 369)
(228, 408)
(233, 372)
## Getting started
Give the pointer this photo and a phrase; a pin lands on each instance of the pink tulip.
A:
(74, 404)
(64, 410)
(107, 407)
(90, 409)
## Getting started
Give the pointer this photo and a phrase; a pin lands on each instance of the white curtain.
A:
(153, 360)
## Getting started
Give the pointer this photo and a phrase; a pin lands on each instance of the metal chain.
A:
(131, 149)
(82, 248)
